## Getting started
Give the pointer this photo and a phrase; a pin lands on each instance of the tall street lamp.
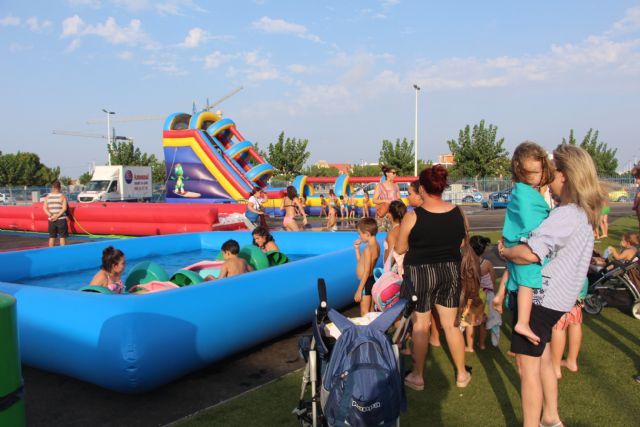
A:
(415, 142)
(109, 114)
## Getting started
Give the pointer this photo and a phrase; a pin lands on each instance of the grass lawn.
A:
(603, 392)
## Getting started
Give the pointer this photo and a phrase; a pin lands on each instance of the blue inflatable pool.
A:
(134, 343)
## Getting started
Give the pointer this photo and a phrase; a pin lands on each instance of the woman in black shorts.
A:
(431, 236)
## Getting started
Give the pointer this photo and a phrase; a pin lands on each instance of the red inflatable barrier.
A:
(130, 219)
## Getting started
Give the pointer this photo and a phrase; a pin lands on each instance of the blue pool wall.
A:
(135, 343)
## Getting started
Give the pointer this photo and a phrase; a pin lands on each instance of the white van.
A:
(118, 184)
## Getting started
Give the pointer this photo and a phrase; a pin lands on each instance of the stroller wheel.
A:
(593, 304)
(635, 310)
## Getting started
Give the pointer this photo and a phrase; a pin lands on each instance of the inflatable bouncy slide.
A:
(209, 161)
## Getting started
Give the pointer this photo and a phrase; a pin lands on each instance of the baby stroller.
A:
(355, 380)
(614, 278)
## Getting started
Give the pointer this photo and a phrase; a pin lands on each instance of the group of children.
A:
(114, 262)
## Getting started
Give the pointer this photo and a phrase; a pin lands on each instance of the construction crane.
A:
(95, 135)
(89, 135)
(143, 118)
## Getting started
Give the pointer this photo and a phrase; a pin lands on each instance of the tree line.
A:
(478, 153)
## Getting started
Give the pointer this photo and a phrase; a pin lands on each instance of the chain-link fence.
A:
(620, 189)
(22, 196)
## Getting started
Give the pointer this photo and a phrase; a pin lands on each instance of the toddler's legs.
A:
(525, 301)
(469, 334)
(483, 335)
(575, 341)
(558, 341)
(365, 304)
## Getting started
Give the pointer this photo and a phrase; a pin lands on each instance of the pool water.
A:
(171, 263)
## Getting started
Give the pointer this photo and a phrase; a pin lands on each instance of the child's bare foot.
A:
(524, 329)
(573, 367)
(558, 372)
(469, 349)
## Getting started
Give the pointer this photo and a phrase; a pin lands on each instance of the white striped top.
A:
(54, 204)
(566, 239)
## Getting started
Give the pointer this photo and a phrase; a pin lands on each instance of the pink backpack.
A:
(386, 290)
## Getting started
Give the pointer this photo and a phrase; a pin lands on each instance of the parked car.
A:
(6, 199)
(619, 196)
(462, 193)
(498, 199)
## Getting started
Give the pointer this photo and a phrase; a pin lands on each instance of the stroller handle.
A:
(321, 311)
(412, 300)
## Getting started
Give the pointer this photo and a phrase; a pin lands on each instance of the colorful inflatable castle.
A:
(209, 161)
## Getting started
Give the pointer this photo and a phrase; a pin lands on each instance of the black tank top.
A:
(435, 237)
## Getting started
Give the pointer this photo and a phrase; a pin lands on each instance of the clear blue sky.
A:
(338, 73)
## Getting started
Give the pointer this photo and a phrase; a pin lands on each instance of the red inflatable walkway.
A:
(129, 219)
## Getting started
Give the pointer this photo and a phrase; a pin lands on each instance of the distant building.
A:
(343, 168)
(446, 160)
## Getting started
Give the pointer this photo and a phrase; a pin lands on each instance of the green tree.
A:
(159, 173)
(288, 156)
(84, 178)
(478, 154)
(317, 171)
(124, 153)
(365, 170)
(65, 180)
(398, 155)
(25, 169)
(603, 157)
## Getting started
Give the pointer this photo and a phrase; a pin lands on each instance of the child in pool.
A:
(532, 173)
(366, 261)
(264, 240)
(110, 274)
(233, 264)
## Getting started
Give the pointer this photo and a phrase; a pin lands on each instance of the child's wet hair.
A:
(531, 150)
(397, 209)
(479, 244)
(110, 257)
(56, 184)
(368, 225)
(262, 232)
(255, 190)
(231, 246)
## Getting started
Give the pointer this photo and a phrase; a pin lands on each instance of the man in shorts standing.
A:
(55, 206)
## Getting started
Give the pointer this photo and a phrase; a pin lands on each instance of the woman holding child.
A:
(566, 240)
(431, 237)
(386, 192)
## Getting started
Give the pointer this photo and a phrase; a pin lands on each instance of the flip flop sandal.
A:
(463, 384)
(412, 385)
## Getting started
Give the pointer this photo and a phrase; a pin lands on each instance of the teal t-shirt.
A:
(525, 212)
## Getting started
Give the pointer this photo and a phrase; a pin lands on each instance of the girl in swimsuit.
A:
(264, 240)
(289, 204)
(110, 274)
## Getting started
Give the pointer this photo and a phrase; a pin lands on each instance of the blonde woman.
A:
(566, 239)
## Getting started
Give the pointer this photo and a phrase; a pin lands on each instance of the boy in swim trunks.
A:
(233, 264)
(366, 261)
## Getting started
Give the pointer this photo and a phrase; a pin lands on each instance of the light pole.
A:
(109, 114)
(415, 142)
